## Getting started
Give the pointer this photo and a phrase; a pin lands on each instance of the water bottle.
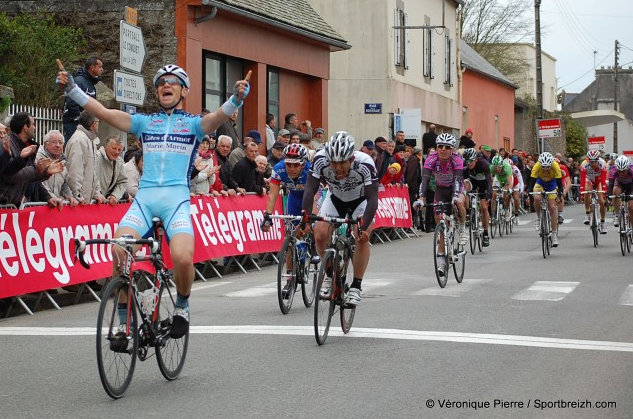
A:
(302, 249)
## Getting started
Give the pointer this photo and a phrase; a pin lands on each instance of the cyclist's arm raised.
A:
(118, 119)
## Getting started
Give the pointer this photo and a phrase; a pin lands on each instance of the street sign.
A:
(131, 47)
(131, 15)
(596, 143)
(549, 128)
(129, 88)
(373, 108)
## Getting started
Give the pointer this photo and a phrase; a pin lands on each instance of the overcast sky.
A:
(574, 29)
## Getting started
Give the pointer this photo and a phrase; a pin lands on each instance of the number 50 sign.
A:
(549, 128)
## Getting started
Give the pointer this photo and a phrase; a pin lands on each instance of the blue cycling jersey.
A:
(295, 188)
(169, 146)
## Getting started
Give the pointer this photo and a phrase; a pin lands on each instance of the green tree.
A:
(575, 136)
(29, 45)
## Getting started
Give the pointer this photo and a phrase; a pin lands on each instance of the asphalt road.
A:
(521, 337)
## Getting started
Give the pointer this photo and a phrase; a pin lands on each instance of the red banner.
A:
(36, 251)
(393, 208)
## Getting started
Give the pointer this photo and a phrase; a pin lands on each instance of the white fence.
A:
(46, 119)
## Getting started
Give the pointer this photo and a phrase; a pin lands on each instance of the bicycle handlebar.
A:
(542, 193)
(80, 245)
(592, 191)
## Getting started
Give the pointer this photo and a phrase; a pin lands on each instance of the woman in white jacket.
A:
(201, 184)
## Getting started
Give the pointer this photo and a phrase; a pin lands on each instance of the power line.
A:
(593, 69)
(574, 27)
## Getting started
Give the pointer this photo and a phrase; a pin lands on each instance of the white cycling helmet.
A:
(546, 159)
(593, 155)
(446, 139)
(622, 163)
(497, 160)
(174, 70)
(470, 154)
(340, 147)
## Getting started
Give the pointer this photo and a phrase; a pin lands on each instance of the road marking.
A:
(546, 290)
(453, 290)
(367, 333)
(627, 297)
(210, 285)
(258, 291)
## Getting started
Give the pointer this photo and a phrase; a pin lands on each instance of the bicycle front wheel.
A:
(623, 230)
(473, 227)
(286, 275)
(594, 227)
(494, 221)
(347, 311)
(545, 233)
(310, 277)
(459, 262)
(439, 238)
(324, 301)
(170, 353)
(117, 341)
(501, 219)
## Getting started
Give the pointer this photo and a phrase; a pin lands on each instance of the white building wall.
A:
(527, 80)
(367, 72)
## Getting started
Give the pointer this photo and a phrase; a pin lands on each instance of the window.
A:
(428, 53)
(401, 39)
(273, 96)
(220, 74)
(449, 61)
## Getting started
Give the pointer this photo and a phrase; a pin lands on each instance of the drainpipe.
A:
(211, 15)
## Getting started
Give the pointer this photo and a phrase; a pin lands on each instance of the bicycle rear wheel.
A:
(494, 221)
(440, 235)
(117, 344)
(170, 353)
(286, 275)
(347, 311)
(323, 305)
(501, 219)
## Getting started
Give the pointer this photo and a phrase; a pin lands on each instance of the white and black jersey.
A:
(362, 173)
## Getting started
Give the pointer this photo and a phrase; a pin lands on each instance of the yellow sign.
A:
(131, 16)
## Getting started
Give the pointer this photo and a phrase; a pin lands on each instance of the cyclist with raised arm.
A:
(504, 179)
(477, 178)
(353, 189)
(292, 174)
(621, 181)
(593, 175)
(546, 176)
(170, 139)
(447, 166)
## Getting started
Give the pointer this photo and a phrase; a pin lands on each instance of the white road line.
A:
(453, 289)
(627, 297)
(210, 285)
(367, 333)
(259, 291)
(546, 290)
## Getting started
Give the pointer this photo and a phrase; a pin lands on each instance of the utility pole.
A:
(539, 73)
(615, 95)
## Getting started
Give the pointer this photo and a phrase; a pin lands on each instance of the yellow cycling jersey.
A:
(548, 174)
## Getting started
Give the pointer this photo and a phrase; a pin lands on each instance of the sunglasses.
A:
(293, 164)
(169, 80)
(469, 161)
(444, 147)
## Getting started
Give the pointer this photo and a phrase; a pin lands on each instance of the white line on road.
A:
(211, 285)
(368, 333)
(627, 297)
(546, 290)
(453, 290)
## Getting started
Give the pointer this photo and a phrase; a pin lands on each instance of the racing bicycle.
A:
(121, 336)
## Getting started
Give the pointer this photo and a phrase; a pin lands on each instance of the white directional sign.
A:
(129, 88)
(132, 47)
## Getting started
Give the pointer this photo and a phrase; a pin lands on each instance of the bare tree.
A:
(493, 27)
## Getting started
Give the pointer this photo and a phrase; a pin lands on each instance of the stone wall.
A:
(100, 23)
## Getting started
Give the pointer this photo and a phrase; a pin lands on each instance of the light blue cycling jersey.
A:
(169, 146)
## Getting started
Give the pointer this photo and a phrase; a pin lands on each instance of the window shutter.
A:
(406, 41)
(396, 38)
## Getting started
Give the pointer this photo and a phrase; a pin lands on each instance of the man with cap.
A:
(369, 148)
(239, 153)
(276, 153)
(486, 152)
(466, 141)
(382, 156)
(283, 136)
(318, 139)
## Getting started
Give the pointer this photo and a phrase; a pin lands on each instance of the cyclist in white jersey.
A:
(170, 139)
(353, 189)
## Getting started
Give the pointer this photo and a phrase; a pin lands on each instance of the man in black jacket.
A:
(85, 78)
